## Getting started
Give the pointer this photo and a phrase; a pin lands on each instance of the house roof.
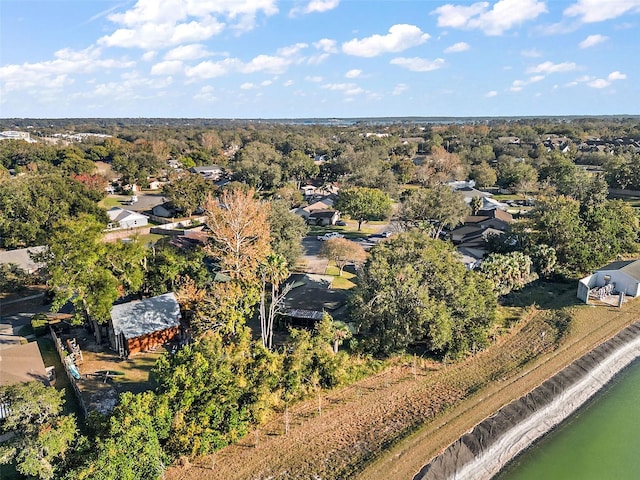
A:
(496, 213)
(324, 204)
(469, 192)
(117, 214)
(22, 258)
(323, 213)
(629, 267)
(142, 317)
(205, 169)
(21, 364)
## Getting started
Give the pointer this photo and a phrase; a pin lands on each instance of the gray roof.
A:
(22, 363)
(22, 258)
(142, 317)
(630, 267)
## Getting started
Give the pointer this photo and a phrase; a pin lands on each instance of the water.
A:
(601, 441)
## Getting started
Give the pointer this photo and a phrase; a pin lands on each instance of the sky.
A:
(318, 58)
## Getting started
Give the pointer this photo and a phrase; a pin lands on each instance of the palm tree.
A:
(273, 270)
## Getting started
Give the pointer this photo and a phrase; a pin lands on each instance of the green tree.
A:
(76, 272)
(287, 231)
(128, 446)
(187, 191)
(343, 252)
(273, 271)
(364, 204)
(37, 436)
(30, 207)
(297, 166)
(413, 289)
(433, 209)
(484, 175)
(511, 271)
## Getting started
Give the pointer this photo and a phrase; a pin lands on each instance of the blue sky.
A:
(318, 58)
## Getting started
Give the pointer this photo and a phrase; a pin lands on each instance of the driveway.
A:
(314, 263)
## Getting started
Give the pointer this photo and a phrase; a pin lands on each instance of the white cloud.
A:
(315, 6)
(347, 88)
(315, 79)
(206, 94)
(399, 38)
(248, 86)
(592, 40)
(491, 94)
(288, 83)
(416, 64)
(194, 51)
(400, 88)
(157, 24)
(504, 15)
(617, 76)
(266, 63)
(592, 11)
(56, 73)
(599, 83)
(549, 67)
(292, 50)
(518, 85)
(266, 83)
(169, 67)
(532, 53)
(148, 56)
(354, 73)
(326, 45)
(457, 47)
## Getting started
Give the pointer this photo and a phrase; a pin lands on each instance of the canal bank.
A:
(484, 451)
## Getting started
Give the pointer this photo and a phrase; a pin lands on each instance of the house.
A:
(22, 258)
(325, 203)
(323, 217)
(21, 364)
(143, 325)
(209, 172)
(617, 277)
(121, 218)
(165, 210)
(155, 184)
(311, 296)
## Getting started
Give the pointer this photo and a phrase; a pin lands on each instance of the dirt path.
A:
(360, 431)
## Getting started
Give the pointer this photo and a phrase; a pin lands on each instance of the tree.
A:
(37, 435)
(508, 272)
(128, 445)
(239, 237)
(433, 209)
(273, 271)
(287, 231)
(413, 289)
(364, 204)
(297, 166)
(31, 205)
(342, 252)
(187, 191)
(76, 272)
(484, 175)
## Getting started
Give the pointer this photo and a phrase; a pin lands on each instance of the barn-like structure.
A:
(144, 324)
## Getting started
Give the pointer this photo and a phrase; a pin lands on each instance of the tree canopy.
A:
(364, 204)
(413, 289)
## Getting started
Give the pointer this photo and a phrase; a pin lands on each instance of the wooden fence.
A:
(63, 359)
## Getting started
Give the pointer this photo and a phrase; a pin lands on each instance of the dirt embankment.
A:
(390, 425)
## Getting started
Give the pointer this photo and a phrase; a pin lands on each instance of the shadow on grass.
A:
(544, 294)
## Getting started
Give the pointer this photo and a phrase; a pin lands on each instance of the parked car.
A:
(341, 223)
(386, 234)
(329, 236)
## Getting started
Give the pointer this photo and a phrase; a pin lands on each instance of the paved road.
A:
(18, 313)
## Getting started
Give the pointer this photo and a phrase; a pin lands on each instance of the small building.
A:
(144, 325)
(121, 218)
(22, 364)
(613, 279)
(209, 172)
(323, 217)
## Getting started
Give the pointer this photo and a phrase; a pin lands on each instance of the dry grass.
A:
(389, 425)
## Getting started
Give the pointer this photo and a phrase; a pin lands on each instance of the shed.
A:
(621, 277)
(144, 324)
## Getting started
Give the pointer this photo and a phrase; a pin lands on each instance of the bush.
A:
(39, 323)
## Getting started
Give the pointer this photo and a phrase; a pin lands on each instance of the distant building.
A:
(16, 135)
(209, 172)
(121, 218)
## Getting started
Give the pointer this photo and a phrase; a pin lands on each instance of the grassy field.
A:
(341, 282)
(390, 424)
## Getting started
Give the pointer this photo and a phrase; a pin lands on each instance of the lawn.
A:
(340, 282)
(111, 201)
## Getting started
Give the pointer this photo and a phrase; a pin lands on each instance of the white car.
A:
(329, 236)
